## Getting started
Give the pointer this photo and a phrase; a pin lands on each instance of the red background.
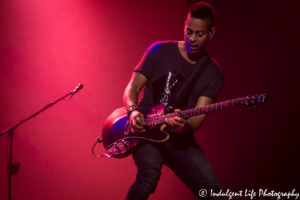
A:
(48, 47)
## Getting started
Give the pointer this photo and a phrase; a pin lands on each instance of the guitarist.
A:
(162, 68)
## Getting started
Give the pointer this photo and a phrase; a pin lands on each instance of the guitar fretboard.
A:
(160, 119)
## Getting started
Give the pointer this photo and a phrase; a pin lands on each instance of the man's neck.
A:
(192, 58)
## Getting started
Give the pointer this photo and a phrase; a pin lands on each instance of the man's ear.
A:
(212, 32)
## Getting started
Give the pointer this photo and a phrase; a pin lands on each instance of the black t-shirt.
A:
(164, 67)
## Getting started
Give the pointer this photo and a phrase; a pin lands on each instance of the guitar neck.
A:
(160, 119)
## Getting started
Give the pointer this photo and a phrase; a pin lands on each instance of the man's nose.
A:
(193, 37)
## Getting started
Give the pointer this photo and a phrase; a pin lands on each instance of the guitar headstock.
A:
(254, 101)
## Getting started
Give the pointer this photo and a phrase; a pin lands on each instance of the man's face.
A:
(197, 33)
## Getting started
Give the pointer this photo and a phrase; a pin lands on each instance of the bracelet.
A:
(131, 108)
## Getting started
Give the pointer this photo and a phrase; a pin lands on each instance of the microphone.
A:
(79, 87)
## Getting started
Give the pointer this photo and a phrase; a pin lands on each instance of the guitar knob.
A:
(125, 143)
(117, 146)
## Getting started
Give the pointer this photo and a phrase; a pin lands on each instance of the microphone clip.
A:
(79, 87)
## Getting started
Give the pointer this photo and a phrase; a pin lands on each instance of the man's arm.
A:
(183, 126)
(130, 97)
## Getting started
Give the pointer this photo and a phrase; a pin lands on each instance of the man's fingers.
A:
(179, 119)
(137, 129)
(140, 119)
(172, 122)
(138, 125)
(137, 122)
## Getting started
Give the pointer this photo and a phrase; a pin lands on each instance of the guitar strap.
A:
(187, 84)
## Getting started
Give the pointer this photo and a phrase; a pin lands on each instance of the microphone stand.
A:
(13, 168)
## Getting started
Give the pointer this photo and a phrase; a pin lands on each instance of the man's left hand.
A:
(178, 124)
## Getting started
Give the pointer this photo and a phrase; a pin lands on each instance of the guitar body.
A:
(117, 137)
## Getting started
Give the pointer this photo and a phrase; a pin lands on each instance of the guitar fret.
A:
(158, 119)
(212, 107)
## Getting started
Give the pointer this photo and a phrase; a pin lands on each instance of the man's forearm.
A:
(196, 121)
(130, 97)
(133, 89)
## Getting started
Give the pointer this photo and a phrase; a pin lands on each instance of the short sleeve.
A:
(149, 60)
(214, 87)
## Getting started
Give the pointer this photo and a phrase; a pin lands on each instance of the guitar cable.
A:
(99, 140)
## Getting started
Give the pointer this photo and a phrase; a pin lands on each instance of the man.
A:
(162, 67)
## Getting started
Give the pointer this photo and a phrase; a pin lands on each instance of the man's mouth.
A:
(192, 47)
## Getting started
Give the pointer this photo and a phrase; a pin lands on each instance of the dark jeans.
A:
(183, 156)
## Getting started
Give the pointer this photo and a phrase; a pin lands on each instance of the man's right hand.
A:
(137, 122)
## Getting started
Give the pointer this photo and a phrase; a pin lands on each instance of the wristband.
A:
(130, 109)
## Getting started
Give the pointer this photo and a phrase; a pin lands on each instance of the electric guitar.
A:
(118, 139)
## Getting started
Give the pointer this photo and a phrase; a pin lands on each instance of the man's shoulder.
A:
(215, 67)
(162, 45)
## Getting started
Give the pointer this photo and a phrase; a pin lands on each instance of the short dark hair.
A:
(202, 10)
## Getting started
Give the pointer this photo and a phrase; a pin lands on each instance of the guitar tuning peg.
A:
(249, 108)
